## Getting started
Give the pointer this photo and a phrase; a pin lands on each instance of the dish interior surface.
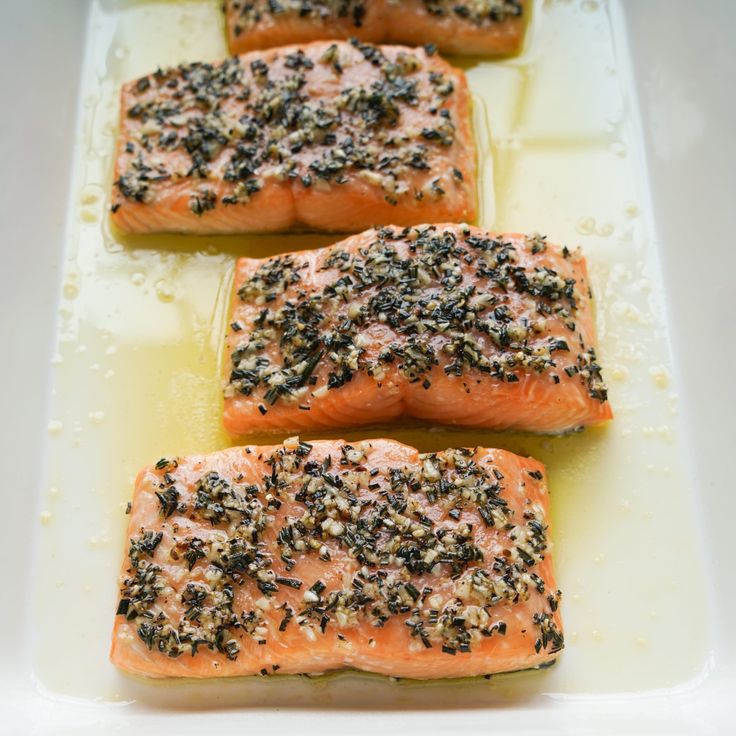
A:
(136, 376)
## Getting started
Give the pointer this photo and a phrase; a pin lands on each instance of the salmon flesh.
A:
(448, 324)
(485, 27)
(310, 557)
(330, 136)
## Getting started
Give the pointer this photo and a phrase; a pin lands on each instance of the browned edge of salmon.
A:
(311, 557)
(327, 136)
(447, 324)
(482, 27)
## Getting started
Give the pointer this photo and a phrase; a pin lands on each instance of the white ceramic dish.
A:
(678, 107)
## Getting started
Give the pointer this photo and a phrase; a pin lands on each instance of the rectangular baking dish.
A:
(676, 67)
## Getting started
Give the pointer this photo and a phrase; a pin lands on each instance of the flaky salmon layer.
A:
(488, 27)
(304, 558)
(448, 324)
(329, 136)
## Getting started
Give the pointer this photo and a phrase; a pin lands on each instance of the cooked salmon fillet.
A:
(449, 324)
(489, 27)
(304, 558)
(329, 136)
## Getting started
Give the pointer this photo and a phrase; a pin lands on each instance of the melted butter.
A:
(136, 372)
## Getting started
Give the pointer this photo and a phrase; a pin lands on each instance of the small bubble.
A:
(630, 312)
(631, 209)
(96, 417)
(586, 225)
(89, 196)
(660, 375)
(619, 373)
(164, 291)
(109, 373)
(597, 635)
(110, 350)
(70, 290)
(88, 214)
(45, 517)
(53, 491)
(641, 641)
(619, 149)
(605, 230)
(589, 6)
(138, 278)
(55, 426)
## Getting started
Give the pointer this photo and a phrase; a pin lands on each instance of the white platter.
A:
(676, 71)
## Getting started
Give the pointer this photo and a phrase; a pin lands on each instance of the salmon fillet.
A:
(330, 136)
(449, 324)
(488, 27)
(305, 558)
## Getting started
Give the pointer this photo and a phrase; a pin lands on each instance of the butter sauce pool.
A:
(136, 376)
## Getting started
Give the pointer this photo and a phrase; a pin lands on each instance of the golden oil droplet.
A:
(619, 149)
(164, 291)
(89, 196)
(55, 426)
(70, 290)
(88, 214)
(585, 225)
(660, 375)
(631, 209)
